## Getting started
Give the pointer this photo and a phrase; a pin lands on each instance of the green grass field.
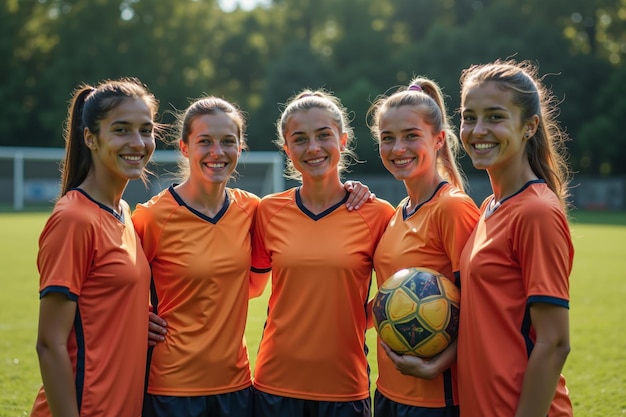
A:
(594, 369)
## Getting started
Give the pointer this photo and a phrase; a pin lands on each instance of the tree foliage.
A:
(358, 49)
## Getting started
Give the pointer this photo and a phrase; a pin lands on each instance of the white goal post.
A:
(259, 172)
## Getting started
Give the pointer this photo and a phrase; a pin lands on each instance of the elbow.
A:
(42, 349)
(563, 351)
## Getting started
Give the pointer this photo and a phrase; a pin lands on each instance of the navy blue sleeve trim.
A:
(58, 289)
(260, 270)
(548, 300)
(457, 278)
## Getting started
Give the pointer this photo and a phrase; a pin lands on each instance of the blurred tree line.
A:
(358, 49)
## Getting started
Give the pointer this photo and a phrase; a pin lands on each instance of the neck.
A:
(206, 198)
(508, 182)
(420, 190)
(106, 192)
(318, 196)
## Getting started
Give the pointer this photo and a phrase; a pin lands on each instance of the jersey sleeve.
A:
(66, 248)
(456, 221)
(261, 258)
(146, 227)
(542, 244)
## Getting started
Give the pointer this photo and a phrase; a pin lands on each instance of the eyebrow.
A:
(126, 123)
(409, 129)
(299, 132)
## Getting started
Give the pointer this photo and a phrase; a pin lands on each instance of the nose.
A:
(480, 128)
(137, 140)
(314, 146)
(398, 146)
(216, 150)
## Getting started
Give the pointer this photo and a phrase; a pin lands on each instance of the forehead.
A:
(130, 110)
(216, 122)
(403, 115)
(310, 119)
(486, 95)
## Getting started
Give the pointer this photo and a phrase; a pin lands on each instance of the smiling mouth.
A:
(315, 161)
(215, 165)
(132, 158)
(484, 146)
(401, 162)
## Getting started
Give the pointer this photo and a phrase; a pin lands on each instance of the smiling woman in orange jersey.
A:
(514, 327)
(92, 269)
(196, 236)
(312, 357)
(418, 146)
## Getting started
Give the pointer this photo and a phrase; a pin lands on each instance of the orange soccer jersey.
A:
(313, 344)
(519, 254)
(93, 256)
(431, 237)
(200, 273)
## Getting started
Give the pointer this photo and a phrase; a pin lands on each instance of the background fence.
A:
(30, 177)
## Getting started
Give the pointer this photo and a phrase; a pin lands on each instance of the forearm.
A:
(58, 380)
(542, 374)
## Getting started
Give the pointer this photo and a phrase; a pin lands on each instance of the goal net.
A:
(31, 177)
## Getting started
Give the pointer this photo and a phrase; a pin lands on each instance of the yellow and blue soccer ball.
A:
(416, 312)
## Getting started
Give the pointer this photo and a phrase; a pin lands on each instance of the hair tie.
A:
(415, 87)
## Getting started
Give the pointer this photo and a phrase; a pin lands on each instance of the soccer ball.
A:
(416, 312)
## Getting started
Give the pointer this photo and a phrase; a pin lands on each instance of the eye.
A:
(411, 136)
(299, 139)
(386, 138)
(495, 117)
(229, 141)
(147, 131)
(467, 118)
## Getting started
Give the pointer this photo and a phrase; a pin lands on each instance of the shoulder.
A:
(452, 201)
(245, 200)
(243, 195)
(159, 204)
(278, 199)
(74, 221)
(378, 209)
(381, 205)
(75, 208)
(537, 201)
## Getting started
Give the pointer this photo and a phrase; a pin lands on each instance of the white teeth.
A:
(314, 161)
(402, 161)
(482, 146)
(216, 165)
(132, 157)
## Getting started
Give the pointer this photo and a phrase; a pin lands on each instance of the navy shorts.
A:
(383, 406)
(232, 404)
(268, 405)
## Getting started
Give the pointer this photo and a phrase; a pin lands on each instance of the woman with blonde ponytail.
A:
(429, 229)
